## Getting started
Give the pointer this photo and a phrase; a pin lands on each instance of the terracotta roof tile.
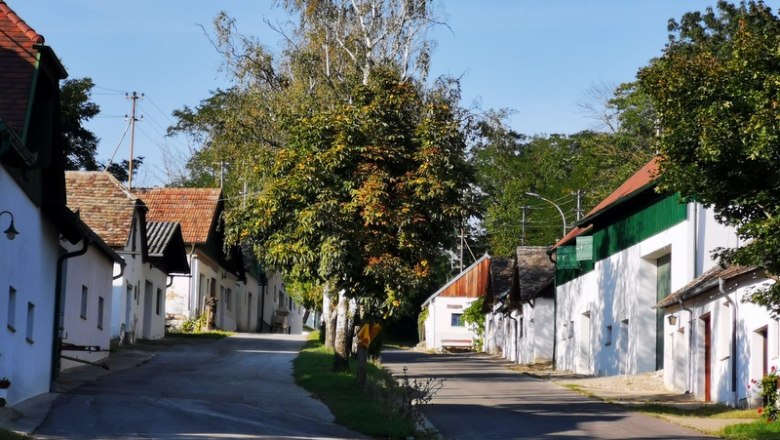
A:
(103, 203)
(17, 66)
(704, 282)
(195, 208)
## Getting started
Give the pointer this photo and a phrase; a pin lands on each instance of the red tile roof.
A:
(195, 208)
(636, 183)
(18, 59)
(103, 203)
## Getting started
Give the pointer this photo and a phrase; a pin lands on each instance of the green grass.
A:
(209, 334)
(708, 411)
(10, 435)
(369, 410)
(759, 430)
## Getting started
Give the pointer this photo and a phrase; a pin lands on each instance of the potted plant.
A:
(4, 383)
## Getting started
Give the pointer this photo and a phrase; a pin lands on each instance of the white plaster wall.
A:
(622, 287)
(494, 333)
(536, 342)
(152, 317)
(92, 270)
(688, 343)
(249, 298)
(27, 263)
(441, 310)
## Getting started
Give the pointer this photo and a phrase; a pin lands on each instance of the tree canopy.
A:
(716, 90)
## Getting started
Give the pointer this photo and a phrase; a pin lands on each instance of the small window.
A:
(101, 305)
(30, 322)
(571, 329)
(229, 299)
(608, 336)
(11, 322)
(84, 300)
(520, 327)
(456, 320)
(135, 294)
(158, 302)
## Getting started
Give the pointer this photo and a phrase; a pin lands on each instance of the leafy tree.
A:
(120, 170)
(475, 318)
(716, 89)
(80, 143)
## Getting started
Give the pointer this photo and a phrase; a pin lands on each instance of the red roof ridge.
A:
(28, 31)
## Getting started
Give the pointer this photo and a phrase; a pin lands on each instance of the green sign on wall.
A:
(584, 248)
(567, 258)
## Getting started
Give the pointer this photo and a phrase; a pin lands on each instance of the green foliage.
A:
(76, 109)
(475, 318)
(195, 324)
(120, 170)
(751, 431)
(10, 435)
(421, 318)
(374, 410)
(767, 389)
(509, 165)
(716, 91)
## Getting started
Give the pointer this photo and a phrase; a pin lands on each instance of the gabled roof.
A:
(501, 275)
(166, 247)
(641, 180)
(703, 283)
(18, 59)
(534, 272)
(103, 203)
(196, 209)
(471, 283)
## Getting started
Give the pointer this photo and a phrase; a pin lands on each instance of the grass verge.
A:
(372, 410)
(10, 435)
(210, 334)
(758, 430)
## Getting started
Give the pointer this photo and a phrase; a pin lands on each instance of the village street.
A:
(483, 399)
(238, 387)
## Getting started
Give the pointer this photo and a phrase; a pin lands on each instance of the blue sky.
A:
(537, 57)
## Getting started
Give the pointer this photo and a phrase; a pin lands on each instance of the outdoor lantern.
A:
(11, 232)
(672, 319)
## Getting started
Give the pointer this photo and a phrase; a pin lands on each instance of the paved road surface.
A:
(481, 399)
(238, 387)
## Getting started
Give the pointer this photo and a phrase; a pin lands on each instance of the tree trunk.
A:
(211, 322)
(329, 318)
(341, 355)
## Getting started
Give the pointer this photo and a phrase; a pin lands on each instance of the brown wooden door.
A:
(707, 358)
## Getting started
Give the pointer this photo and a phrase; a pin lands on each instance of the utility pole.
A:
(522, 223)
(133, 97)
(578, 211)
(461, 249)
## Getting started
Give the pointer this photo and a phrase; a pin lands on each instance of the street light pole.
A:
(563, 217)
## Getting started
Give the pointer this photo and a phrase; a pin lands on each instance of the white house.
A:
(118, 216)
(216, 286)
(519, 320)
(444, 326)
(86, 300)
(716, 342)
(630, 251)
(32, 203)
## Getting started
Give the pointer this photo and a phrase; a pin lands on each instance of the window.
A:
(229, 299)
(290, 302)
(456, 320)
(571, 329)
(608, 336)
(135, 293)
(11, 322)
(101, 305)
(520, 327)
(158, 302)
(84, 298)
(30, 322)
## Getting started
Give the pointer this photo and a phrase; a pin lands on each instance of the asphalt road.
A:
(482, 399)
(238, 387)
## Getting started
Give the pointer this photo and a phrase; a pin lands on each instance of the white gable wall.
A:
(91, 275)
(439, 331)
(28, 264)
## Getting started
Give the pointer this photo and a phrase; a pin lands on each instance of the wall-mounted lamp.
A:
(672, 319)
(11, 232)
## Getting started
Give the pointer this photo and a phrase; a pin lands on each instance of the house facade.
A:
(716, 343)
(444, 326)
(633, 249)
(216, 287)
(118, 216)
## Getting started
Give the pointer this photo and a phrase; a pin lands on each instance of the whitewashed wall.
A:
(439, 331)
(91, 273)
(536, 338)
(28, 264)
(620, 292)
(684, 350)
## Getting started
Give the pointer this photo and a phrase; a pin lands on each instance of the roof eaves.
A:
(453, 280)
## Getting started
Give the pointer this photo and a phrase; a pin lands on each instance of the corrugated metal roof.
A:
(158, 235)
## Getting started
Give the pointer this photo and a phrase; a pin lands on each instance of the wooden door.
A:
(707, 358)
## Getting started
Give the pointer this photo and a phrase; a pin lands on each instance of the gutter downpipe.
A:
(734, 366)
(59, 299)
(689, 375)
